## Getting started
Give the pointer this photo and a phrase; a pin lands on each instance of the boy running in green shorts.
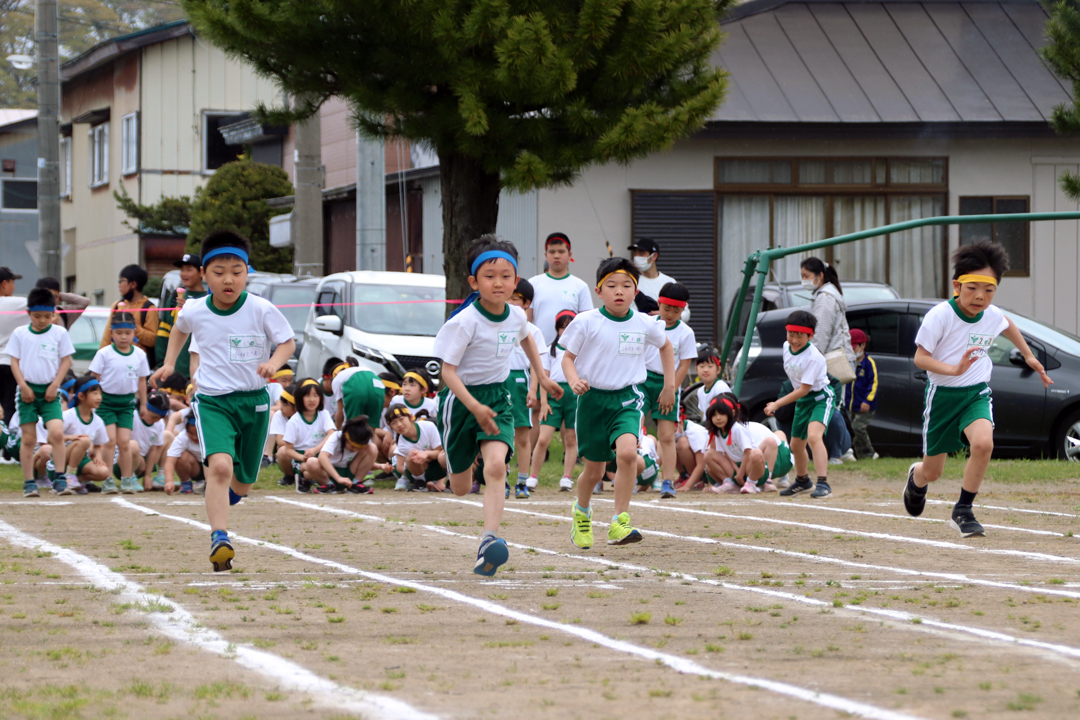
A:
(233, 331)
(476, 411)
(958, 408)
(604, 365)
(814, 405)
(673, 300)
(522, 389)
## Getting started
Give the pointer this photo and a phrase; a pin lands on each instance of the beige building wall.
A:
(598, 206)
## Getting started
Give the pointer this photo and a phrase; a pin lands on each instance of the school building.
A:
(18, 195)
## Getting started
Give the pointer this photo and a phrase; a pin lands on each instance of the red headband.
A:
(571, 313)
(800, 329)
(713, 359)
(673, 303)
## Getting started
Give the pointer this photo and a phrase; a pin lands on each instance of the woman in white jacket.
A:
(829, 308)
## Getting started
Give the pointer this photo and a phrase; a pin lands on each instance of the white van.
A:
(386, 320)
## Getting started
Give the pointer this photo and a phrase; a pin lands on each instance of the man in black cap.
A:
(191, 286)
(12, 315)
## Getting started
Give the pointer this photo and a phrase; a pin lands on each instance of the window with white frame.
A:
(129, 144)
(216, 152)
(65, 167)
(18, 195)
(99, 155)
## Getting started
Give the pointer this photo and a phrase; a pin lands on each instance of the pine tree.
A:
(1063, 55)
(509, 93)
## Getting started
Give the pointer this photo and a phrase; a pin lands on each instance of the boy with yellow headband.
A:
(604, 364)
(958, 409)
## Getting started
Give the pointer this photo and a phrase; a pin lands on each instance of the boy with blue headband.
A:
(234, 332)
(40, 357)
(149, 440)
(475, 411)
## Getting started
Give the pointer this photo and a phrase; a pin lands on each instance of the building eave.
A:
(113, 48)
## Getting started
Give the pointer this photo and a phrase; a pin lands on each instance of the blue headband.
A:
(123, 326)
(491, 255)
(68, 385)
(154, 408)
(191, 420)
(225, 251)
(90, 385)
(41, 308)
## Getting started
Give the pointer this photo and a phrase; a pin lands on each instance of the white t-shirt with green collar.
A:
(552, 295)
(39, 353)
(119, 372)
(609, 350)
(75, 425)
(426, 438)
(303, 434)
(481, 344)
(683, 342)
(947, 333)
(806, 367)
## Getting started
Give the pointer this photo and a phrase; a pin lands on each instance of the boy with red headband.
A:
(951, 347)
(814, 405)
(604, 364)
(557, 290)
(673, 299)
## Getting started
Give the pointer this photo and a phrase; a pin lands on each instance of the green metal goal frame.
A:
(760, 262)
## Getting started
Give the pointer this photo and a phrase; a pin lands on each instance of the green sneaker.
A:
(581, 528)
(109, 487)
(159, 480)
(137, 484)
(126, 486)
(620, 532)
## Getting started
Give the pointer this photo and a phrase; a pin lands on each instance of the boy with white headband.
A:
(234, 331)
(604, 365)
(951, 347)
(475, 410)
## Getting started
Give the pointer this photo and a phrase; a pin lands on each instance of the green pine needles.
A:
(1063, 55)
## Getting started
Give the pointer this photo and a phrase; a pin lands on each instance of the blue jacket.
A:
(865, 387)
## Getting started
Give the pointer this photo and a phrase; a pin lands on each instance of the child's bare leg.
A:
(816, 442)
(521, 448)
(569, 438)
(754, 463)
(123, 441)
(313, 471)
(364, 462)
(543, 442)
(219, 472)
(76, 451)
(56, 440)
(187, 467)
(41, 458)
(929, 470)
(769, 448)
(588, 478)
(284, 461)
(461, 483)
(718, 465)
(94, 472)
(980, 435)
(687, 461)
(665, 435)
(626, 457)
(494, 454)
(108, 450)
(155, 456)
(800, 457)
(26, 450)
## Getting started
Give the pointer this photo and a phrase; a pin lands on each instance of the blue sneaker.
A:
(492, 553)
(666, 491)
(221, 551)
(521, 492)
(507, 489)
(185, 488)
(30, 489)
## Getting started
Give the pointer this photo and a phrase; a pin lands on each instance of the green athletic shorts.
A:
(118, 410)
(564, 411)
(604, 416)
(818, 406)
(39, 408)
(652, 387)
(783, 463)
(234, 424)
(461, 433)
(363, 394)
(947, 411)
(646, 478)
(82, 463)
(518, 385)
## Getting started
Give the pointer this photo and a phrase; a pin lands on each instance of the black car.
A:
(1030, 420)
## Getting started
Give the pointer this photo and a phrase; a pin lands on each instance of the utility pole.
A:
(370, 204)
(307, 222)
(46, 47)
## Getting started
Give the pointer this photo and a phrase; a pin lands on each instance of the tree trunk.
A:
(470, 208)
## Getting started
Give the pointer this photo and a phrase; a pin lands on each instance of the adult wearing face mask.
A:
(132, 281)
(645, 252)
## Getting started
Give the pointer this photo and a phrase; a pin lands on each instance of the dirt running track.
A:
(733, 607)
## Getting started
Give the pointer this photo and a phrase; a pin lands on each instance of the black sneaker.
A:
(799, 486)
(302, 485)
(965, 522)
(265, 462)
(287, 481)
(91, 487)
(822, 490)
(914, 503)
(359, 489)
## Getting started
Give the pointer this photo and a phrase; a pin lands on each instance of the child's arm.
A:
(142, 395)
(925, 361)
(54, 387)
(680, 372)
(529, 346)
(483, 414)
(170, 468)
(281, 355)
(177, 340)
(699, 470)
(1012, 333)
(545, 407)
(667, 360)
(579, 386)
(314, 451)
(292, 453)
(534, 385)
(800, 392)
(329, 469)
(16, 372)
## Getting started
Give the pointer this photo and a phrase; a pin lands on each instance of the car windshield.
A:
(1066, 342)
(852, 294)
(301, 295)
(398, 309)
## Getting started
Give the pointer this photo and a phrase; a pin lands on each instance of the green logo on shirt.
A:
(505, 343)
(631, 343)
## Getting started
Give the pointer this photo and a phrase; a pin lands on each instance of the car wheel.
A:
(1068, 438)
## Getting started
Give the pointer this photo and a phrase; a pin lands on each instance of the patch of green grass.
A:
(1024, 701)
(129, 545)
(672, 620)
(640, 618)
(336, 619)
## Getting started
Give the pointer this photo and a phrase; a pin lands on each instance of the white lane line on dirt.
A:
(36, 502)
(850, 511)
(678, 664)
(911, 621)
(954, 577)
(180, 625)
(1044, 557)
(1011, 509)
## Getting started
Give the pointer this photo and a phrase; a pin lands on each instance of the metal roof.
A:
(10, 116)
(113, 48)
(898, 61)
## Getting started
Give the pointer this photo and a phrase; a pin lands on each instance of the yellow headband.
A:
(399, 411)
(391, 384)
(976, 278)
(417, 377)
(176, 393)
(288, 398)
(309, 381)
(282, 373)
(189, 388)
(339, 368)
(616, 272)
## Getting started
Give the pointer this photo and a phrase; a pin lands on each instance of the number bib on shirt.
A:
(246, 348)
(506, 343)
(47, 349)
(131, 371)
(980, 341)
(631, 343)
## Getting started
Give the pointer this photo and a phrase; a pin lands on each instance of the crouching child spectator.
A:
(345, 459)
(184, 459)
(419, 455)
(149, 441)
(862, 399)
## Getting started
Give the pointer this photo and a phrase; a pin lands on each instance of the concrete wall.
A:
(598, 206)
(18, 142)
